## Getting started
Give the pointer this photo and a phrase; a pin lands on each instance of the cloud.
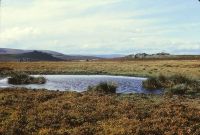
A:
(9, 36)
(100, 26)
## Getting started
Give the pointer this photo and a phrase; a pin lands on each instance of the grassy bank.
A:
(176, 84)
(25, 112)
(128, 68)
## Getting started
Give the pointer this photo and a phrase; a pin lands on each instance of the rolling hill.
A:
(29, 56)
(7, 54)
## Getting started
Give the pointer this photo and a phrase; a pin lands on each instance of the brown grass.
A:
(130, 68)
(24, 112)
(43, 112)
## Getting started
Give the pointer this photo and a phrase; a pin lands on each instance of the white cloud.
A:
(17, 34)
(96, 26)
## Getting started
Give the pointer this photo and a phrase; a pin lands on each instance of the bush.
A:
(22, 78)
(104, 87)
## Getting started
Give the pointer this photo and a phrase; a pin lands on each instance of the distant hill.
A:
(37, 56)
(13, 51)
(29, 56)
(108, 56)
(7, 54)
(161, 55)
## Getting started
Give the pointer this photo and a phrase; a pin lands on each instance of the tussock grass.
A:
(176, 84)
(104, 87)
(22, 78)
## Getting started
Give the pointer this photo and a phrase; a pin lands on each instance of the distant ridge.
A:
(7, 54)
(36, 56)
(13, 51)
(161, 55)
(29, 56)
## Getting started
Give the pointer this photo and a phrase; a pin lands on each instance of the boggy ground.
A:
(24, 112)
(41, 112)
(130, 68)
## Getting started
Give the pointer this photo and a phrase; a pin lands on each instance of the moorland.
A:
(25, 111)
(145, 68)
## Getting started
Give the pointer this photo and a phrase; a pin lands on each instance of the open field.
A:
(130, 68)
(40, 112)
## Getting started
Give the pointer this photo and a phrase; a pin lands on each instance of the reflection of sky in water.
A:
(81, 82)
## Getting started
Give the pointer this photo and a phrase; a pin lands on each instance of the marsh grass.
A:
(41, 112)
(22, 78)
(5, 71)
(127, 68)
(104, 87)
(176, 84)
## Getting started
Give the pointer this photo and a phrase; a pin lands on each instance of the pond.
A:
(80, 83)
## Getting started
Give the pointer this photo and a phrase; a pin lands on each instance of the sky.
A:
(101, 26)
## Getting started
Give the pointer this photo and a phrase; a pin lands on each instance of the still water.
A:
(80, 83)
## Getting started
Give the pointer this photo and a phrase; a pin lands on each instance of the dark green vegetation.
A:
(41, 112)
(29, 56)
(104, 87)
(38, 56)
(7, 54)
(23, 78)
(176, 84)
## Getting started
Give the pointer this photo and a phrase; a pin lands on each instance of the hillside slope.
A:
(29, 56)
(7, 54)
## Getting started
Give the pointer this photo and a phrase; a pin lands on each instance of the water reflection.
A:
(81, 82)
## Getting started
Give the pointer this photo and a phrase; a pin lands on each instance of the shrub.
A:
(104, 87)
(22, 78)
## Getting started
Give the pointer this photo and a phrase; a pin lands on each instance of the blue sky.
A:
(102, 26)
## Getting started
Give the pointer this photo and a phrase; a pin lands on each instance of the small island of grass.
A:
(22, 78)
(104, 87)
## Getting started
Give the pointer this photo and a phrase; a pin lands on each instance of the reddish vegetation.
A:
(43, 112)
